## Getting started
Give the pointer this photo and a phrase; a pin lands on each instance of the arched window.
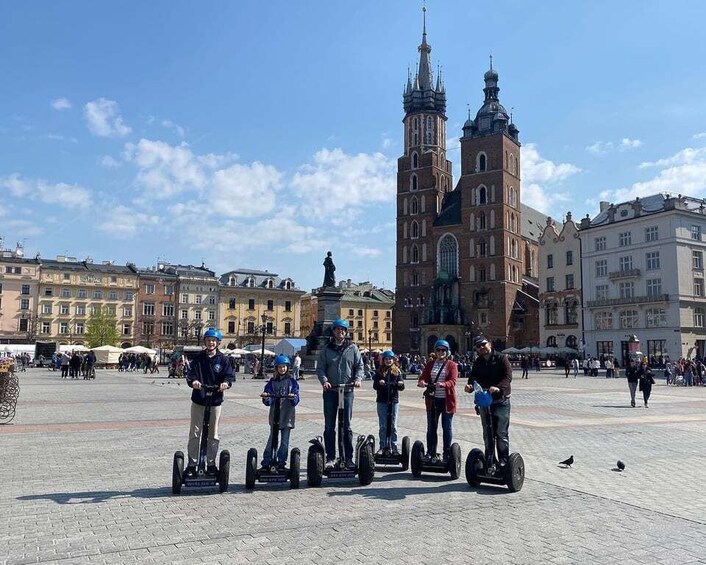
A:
(415, 160)
(448, 255)
(251, 282)
(551, 341)
(430, 131)
(420, 300)
(481, 162)
(482, 223)
(482, 195)
(572, 342)
(414, 206)
(512, 197)
(415, 320)
(422, 205)
(232, 281)
(270, 283)
(413, 183)
(408, 301)
(415, 254)
(514, 253)
(287, 285)
(482, 248)
(415, 230)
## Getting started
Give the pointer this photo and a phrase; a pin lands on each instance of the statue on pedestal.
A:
(329, 271)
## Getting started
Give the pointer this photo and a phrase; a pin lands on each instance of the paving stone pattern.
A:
(86, 474)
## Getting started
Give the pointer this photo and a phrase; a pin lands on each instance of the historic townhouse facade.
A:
(250, 301)
(466, 257)
(560, 306)
(156, 312)
(70, 291)
(19, 283)
(643, 275)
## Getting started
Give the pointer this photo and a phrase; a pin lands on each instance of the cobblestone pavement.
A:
(86, 479)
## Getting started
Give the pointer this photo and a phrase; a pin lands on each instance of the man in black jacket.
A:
(492, 371)
(209, 367)
(633, 377)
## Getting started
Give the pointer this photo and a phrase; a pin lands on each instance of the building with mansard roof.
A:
(466, 256)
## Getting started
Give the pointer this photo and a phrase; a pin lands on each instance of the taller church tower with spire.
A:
(466, 258)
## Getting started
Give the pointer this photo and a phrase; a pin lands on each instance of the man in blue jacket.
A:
(339, 363)
(209, 367)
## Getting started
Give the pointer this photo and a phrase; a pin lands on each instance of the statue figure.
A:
(329, 271)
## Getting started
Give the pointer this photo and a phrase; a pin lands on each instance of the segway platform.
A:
(420, 463)
(272, 474)
(364, 468)
(389, 458)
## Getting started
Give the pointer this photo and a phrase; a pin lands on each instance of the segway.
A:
(431, 462)
(364, 466)
(483, 467)
(202, 478)
(273, 473)
(390, 457)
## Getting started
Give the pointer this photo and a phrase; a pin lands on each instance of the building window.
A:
(601, 292)
(415, 254)
(654, 287)
(569, 257)
(184, 314)
(550, 284)
(81, 293)
(625, 263)
(48, 291)
(603, 320)
(482, 221)
(287, 305)
(699, 317)
(127, 329)
(80, 328)
(199, 299)
(46, 308)
(550, 261)
(656, 318)
(25, 289)
(98, 294)
(482, 195)
(127, 311)
(696, 232)
(651, 233)
(231, 326)
(414, 206)
(46, 328)
(624, 239)
(569, 282)
(571, 315)
(413, 185)
(184, 298)
(482, 162)
(414, 230)
(129, 295)
(167, 328)
(66, 293)
(211, 315)
(270, 304)
(24, 304)
(552, 317)
(415, 160)
(63, 328)
(149, 289)
(698, 286)
(697, 260)
(167, 309)
(251, 304)
(602, 268)
(112, 295)
(251, 327)
(628, 319)
(197, 315)
(652, 260)
(448, 252)
(64, 309)
(148, 309)
(168, 289)
(287, 328)
(627, 290)
(600, 243)
(231, 303)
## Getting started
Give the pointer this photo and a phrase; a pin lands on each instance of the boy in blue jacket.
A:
(282, 388)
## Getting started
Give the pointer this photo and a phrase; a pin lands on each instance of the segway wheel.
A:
(405, 453)
(515, 472)
(416, 458)
(366, 465)
(314, 467)
(223, 470)
(177, 472)
(294, 462)
(474, 465)
(455, 461)
(251, 468)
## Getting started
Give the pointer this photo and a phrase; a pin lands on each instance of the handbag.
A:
(430, 391)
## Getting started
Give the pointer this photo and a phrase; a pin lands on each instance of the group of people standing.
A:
(75, 364)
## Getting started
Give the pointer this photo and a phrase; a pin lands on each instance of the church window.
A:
(415, 230)
(448, 255)
(415, 160)
(414, 206)
(430, 131)
(415, 279)
(481, 162)
(420, 300)
(482, 223)
(407, 301)
(416, 138)
(415, 254)
(512, 196)
(413, 180)
(482, 195)
(482, 248)
(415, 320)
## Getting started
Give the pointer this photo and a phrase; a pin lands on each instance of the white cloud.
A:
(170, 125)
(59, 137)
(61, 194)
(336, 184)
(61, 104)
(682, 173)
(104, 119)
(123, 222)
(246, 190)
(603, 147)
(700, 135)
(536, 169)
(109, 162)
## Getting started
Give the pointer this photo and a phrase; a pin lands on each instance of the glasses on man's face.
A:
(440, 350)
(481, 345)
(339, 330)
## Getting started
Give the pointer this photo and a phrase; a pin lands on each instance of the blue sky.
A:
(262, 134)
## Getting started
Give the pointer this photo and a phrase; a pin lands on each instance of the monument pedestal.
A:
(328, 309)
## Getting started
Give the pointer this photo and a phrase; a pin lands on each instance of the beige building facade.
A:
(19, 279)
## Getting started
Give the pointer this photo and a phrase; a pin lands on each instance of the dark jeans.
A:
(433, 426)
(331, 423)
(500, 414)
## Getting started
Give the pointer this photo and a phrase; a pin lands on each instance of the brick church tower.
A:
(465, 259)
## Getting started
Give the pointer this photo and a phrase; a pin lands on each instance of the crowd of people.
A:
(129, 362)
(74, 364)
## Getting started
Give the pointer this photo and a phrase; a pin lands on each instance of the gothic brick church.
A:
(466, 256)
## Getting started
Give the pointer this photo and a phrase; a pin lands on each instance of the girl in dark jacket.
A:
(388, 381)
(647, 379)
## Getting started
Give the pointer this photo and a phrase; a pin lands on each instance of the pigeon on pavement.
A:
(568, 462)
(620, 465)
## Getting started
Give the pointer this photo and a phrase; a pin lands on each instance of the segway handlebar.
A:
(267, 395)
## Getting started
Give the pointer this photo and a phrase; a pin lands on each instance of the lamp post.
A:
(370, 342)
(261, 370)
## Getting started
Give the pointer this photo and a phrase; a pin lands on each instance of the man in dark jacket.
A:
(493, 372)
(209, 368)
(633, 377)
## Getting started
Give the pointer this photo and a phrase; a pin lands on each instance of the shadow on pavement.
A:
(627, 406)
(96, 497)
(436, 485)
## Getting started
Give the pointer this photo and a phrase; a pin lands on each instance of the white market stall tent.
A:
(107, 354)
(140, 349)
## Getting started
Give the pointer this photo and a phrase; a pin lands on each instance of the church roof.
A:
(533, 222)
(450, 214)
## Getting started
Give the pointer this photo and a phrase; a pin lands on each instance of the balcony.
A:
(626, 274)
(627, 300)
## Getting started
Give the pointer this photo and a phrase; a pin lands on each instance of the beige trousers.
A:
(195, 434)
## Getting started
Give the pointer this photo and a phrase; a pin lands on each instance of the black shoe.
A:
(190, 471)
(350, 465)
(281, 466)
(212, 470)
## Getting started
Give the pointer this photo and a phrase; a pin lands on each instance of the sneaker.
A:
(632, 403)
(190, 471)
(436, 459)
(427, 458)
(350, 465)
(212, 470)
(265, 466)
(380, 452)
(281, 466)
(395, 452)
(329, 464)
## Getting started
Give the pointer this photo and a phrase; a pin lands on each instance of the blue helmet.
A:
(442, 343)
(282, 360)
(483, 399)
(388, 354)
(339, 324)
(213, 332)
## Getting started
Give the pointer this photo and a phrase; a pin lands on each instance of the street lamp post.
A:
(370, 342)
(261, 371)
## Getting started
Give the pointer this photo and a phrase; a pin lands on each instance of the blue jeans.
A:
(382, 421)
(281, 450)
(331, 421)
(499, 414)
(433, 426)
